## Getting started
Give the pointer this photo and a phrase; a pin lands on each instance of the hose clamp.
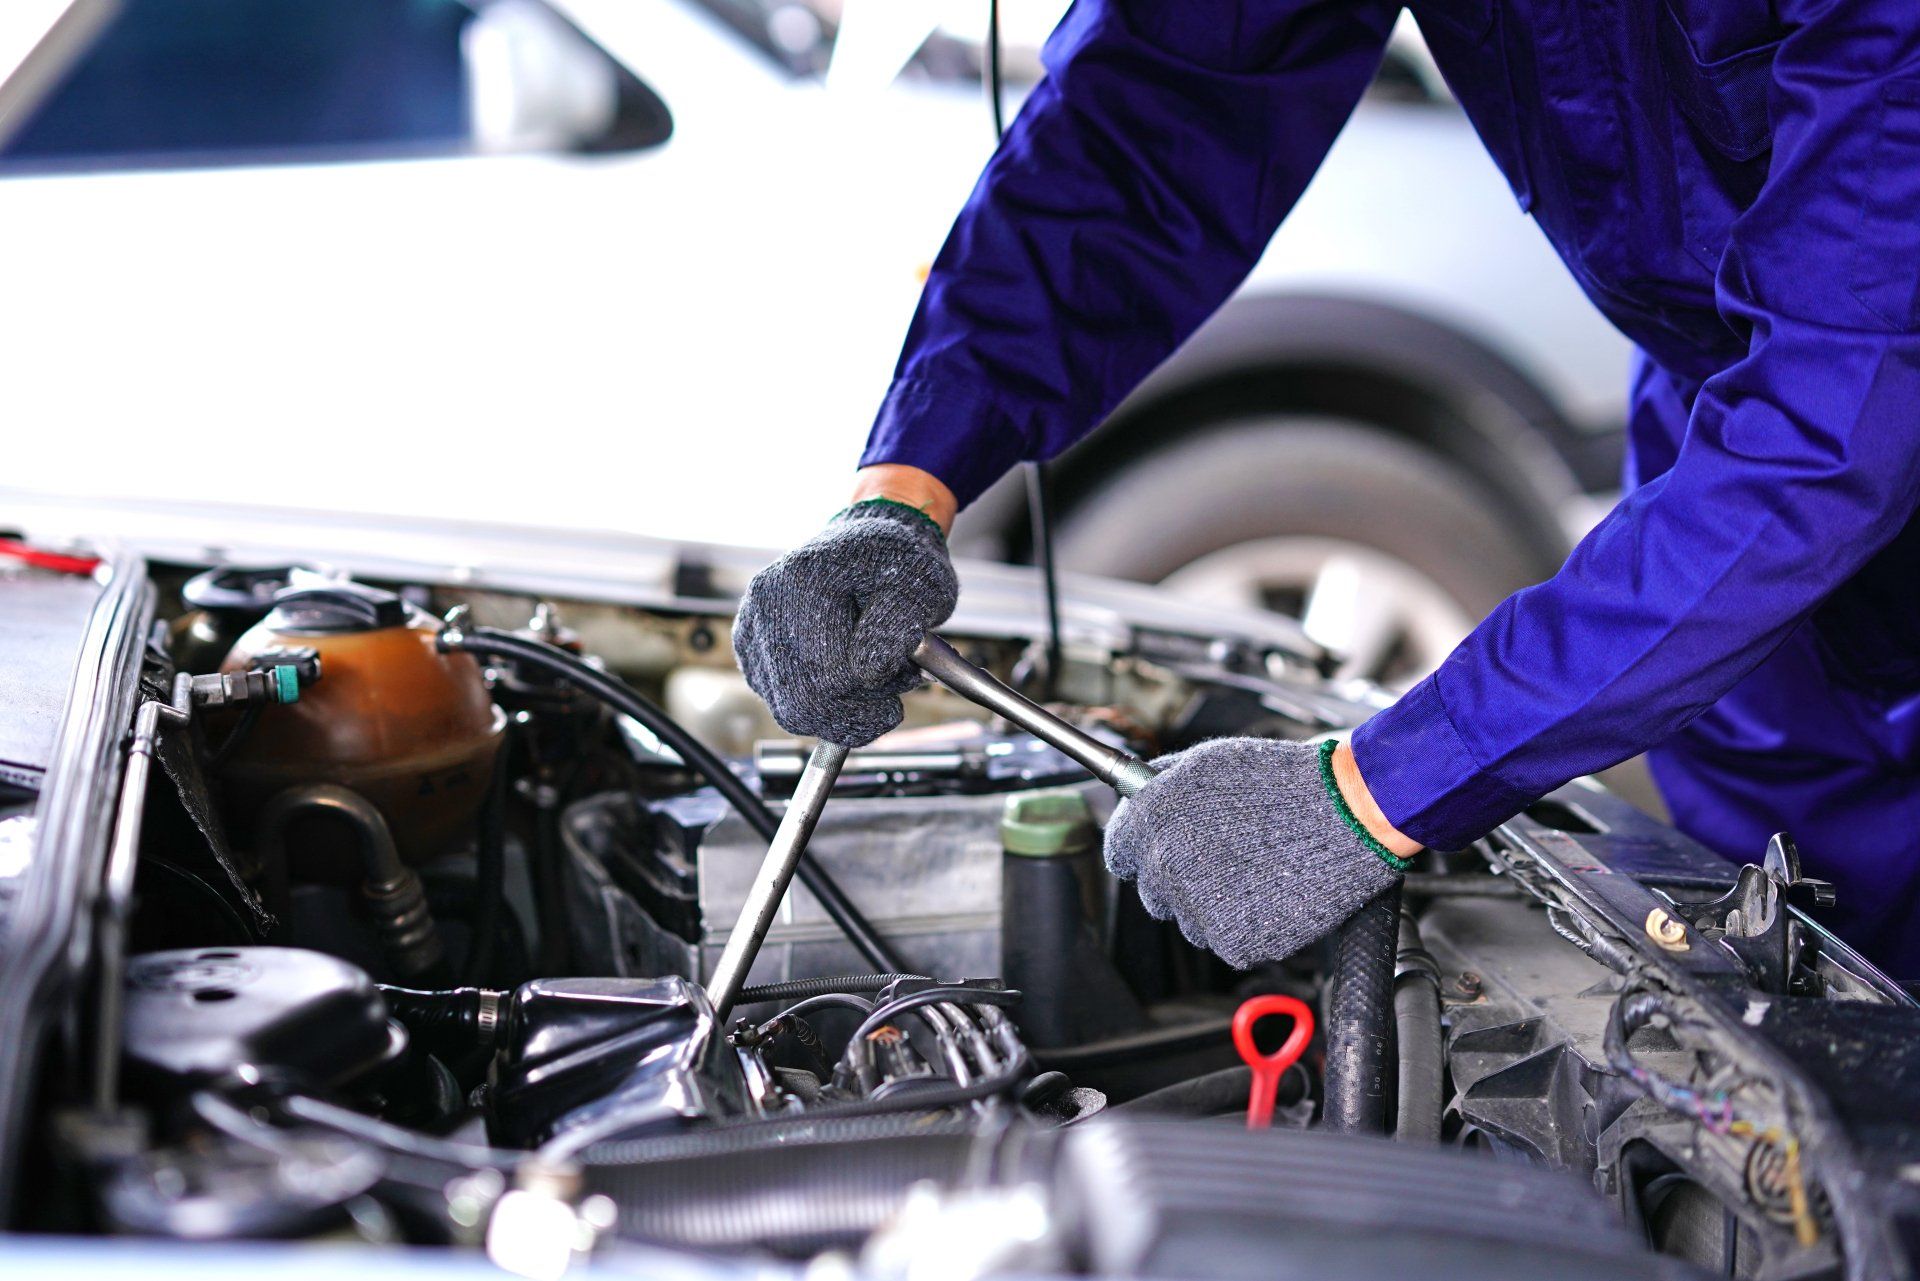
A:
(486, 1019)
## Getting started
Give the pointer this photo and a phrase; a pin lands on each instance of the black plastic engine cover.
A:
(610, 1057)
(196, 1015)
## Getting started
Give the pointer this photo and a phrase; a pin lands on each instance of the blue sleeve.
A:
(1798, 463)
(1138, 186)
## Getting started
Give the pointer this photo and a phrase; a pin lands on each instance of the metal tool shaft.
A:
(1123, 773)
(776, 870)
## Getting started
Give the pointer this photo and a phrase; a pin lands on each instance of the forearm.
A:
(1139, 184)
(1791, 477)
(920, 490)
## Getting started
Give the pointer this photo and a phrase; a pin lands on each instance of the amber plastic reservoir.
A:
(393, 718)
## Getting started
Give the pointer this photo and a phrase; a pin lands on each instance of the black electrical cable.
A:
(940, 994)
(1583, 936)
(840, 1000)
(1040, 516)
(1039, 491)
(993, 71)
(237, 735)
(856, 1062)
(617, 694)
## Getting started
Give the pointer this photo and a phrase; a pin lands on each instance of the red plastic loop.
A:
(40, 558)
(1269, 1068)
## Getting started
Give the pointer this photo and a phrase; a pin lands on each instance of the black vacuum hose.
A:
(490, 867)
(1359, 1018)
(622, 698)
(1420, 1096)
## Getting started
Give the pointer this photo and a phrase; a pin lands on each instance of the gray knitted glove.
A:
(1240, 842)
(826, 633)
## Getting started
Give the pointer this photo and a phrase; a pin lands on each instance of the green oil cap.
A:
(1052, 823)
(286, 683)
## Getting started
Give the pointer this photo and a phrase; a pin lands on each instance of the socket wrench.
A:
(1123, 773)
(776, 871)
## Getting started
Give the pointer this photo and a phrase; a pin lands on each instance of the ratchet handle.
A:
(1125, 774)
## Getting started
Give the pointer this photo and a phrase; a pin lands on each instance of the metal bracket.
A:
(1752, 920)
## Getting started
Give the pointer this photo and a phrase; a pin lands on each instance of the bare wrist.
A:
(1353, 790)
(916, 488)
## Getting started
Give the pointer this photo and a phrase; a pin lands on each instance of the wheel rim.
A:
(1385, 620)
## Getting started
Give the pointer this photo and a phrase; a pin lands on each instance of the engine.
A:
(432, 884)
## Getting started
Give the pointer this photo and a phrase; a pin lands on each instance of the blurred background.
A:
(644, 266)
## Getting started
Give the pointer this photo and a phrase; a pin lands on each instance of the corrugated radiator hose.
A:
(829, 1189)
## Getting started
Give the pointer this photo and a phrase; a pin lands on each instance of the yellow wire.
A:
(1805, 1230)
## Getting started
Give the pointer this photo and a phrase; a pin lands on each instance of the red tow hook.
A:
(1269, 1068)
(40, 558)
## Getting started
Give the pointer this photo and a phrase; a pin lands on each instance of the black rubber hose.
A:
(550, 888)
(451, 1022)
(622, 698)
(490, 868)
(1420, 1083)
(1214, 1094)
(795, 1200)
(1359, 1018)
(1459, 885)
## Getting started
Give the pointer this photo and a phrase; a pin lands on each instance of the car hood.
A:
(615, 567)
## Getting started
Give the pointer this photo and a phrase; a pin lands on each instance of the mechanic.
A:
(1735, 183)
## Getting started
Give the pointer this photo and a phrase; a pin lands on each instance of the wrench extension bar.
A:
(1123, 773)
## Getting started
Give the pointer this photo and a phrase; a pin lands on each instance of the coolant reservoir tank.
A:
(393, 718)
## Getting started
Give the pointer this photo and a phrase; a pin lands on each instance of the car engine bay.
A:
(416, 890)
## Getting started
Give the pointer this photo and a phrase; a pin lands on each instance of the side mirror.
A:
(179, 83)
(535, 82)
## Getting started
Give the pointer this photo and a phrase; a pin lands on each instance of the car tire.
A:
(1287, 483)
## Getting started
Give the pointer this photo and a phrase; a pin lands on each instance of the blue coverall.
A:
(1735, 183)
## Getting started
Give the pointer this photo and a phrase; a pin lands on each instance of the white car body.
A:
(565, 341)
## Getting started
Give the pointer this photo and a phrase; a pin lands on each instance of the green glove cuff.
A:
(893, 504)
(1348, 817)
